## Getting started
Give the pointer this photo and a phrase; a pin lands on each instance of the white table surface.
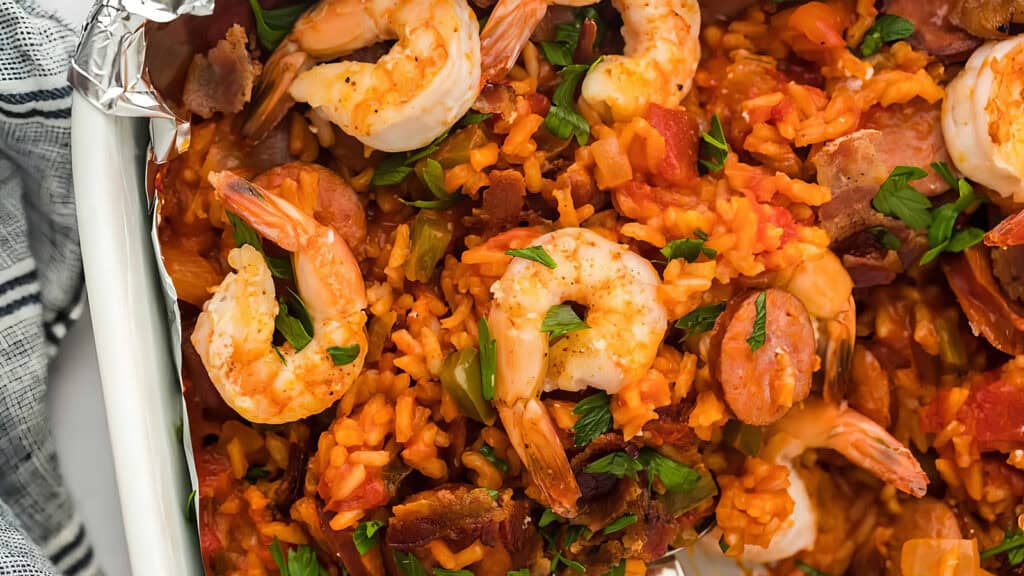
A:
(78, 416)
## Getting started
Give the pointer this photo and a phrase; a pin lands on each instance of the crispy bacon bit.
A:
(340, 545)
(223, 79)
(680, 130)
(503, 200)
(459, 515)
(496, 99)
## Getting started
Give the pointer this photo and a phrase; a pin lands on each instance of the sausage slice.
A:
(761, 385)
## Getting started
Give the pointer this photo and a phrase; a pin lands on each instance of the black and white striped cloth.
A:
(40, 289)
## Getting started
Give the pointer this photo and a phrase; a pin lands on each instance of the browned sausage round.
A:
(934, 29)
(761, 385)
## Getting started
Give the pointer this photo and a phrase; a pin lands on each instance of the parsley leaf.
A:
(714, 148)
(292, 328)
(488, 452)
(595, 418)
(1012, 544)
(689, 248)
(897, 198)
(618, 464)
(808, 569)
(676, 476)
(723, 545)
(244, 234)
(557, 53)
(560, 320)
(887, 28)
(964, 239)
(940, 233)
(365, 535)
(302, 561)
(190, 506)
(520, 572)
(943, 169)
(255, 473)
(547, 517)
(474, 117)
(488, 358)
(447, 572)
(535, 253)
(621, 522)
(886, 238)
(392, 170)
(493, 493)
(757, 334)
(408, 563)
(273, 25)
(700, 320)
(562, 119)
(343, 355)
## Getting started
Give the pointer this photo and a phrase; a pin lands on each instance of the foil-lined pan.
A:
(115, 68)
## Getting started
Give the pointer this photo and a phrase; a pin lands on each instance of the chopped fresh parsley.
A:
(676, 477)
(808, 569)
(618, 464)
(886, 238)
(520, 572)
(595, 418)
(302, 561)
(190, 506)
(488, 452)
(408, 563)
(273, 25)
(897, 198)
(943, 169)
(280, 356)
(493, 493)
(365, 535)
(244, 234)
(714, 148)
(689, 248)
(291, 327)
(1012, 544)
(700, 320)
(557, 53)
(343, 355)
(561, 51)
(473, 117)
(547, 517)
(488, 358)
(431, 173)
(560, 320)
(563, 120)
(757, 333)
(535, 253)
(621, 522)
(723, 545)
(447, 572)
(255, 473)
(941, 237)
(887, 28)
(392, 170)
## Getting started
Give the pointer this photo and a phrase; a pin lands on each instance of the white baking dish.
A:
(140, 385)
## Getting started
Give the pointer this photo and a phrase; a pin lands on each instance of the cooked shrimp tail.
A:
(506, 33)
(533, 434)
(272, 100)
(860, 439)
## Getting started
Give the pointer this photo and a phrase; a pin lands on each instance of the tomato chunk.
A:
(679, 128)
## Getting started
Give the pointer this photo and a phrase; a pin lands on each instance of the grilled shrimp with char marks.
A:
(410, 96)
(233, 334)
(660, 58)
(626, 325)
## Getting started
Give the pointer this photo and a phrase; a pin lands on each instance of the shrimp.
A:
(660, 57)
(658, 63)
(863, 442)
(409, 97)
(983, 118)
(234, 331)
(626, 325)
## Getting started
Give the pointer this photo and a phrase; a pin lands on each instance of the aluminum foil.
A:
(108, 67)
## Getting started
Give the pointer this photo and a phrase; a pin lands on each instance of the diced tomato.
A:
(681, 133)
(994, 411)
(370, 494)
(209, 542)
(214, 471)
(539, 103)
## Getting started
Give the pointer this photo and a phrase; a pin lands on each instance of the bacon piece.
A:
(503, 200)
(223, 79)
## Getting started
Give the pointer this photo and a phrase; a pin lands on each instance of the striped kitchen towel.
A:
(40, 289)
